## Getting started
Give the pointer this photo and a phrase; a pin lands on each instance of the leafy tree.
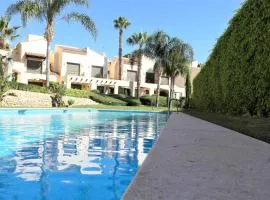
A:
(7, 33)
(49, 11)
(156, 48)
(121, 23)
(180, 56)
(140, 40)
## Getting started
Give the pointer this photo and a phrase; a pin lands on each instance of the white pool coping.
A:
(195, 159)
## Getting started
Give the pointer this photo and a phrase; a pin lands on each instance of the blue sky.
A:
(197, 22)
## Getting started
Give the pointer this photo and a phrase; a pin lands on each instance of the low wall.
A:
(40, 100)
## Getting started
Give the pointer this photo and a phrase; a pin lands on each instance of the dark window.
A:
(150, 77)
(35, 83)
(76, 86)
(131, 75)
(34, 66)
(97, 72)
(164, 80)
(73, 69)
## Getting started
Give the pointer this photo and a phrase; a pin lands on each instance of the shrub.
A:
(151, 100)
(105, 99)
(71, 102)
(30, 88)
(77, 93)
(58, 91)
(131, 101)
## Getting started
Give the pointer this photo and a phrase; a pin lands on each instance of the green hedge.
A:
(151, 101)
(130, 101)
(30, 88)
(107, 100)
(236, 78)
(100, 98)
(77, 93)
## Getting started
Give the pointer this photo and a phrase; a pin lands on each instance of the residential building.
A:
(80, 68)
(29, 61)
(83, 68)
(149, 78)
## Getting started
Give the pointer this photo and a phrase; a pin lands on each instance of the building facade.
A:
(86, 69)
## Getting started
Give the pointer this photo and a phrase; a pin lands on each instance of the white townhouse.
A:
(29, 61)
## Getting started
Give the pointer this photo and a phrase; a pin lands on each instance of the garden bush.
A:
(24, 87)
(151, 100)
(132, 101)
(236, 78)
(105, 99)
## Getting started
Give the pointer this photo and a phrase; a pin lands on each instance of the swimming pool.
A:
(73, 154)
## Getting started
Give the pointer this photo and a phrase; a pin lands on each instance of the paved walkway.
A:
(197, 160)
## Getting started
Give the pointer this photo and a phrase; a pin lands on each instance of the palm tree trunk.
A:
(120, 53)
(158, 89)
(1, 68)
(48, 64)
(139, 76)
(169, 92)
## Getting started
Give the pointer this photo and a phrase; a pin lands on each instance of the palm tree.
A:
(157, 47)
(140, 40)
(7, 33)
(121, 23)
(49, 11)
(179, 58)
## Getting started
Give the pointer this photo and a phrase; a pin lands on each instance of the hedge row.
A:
(131, 101)
(236, 78)
(31, 88)
(100, 98)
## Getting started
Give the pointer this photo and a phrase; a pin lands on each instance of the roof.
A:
(35, 55)
(73, 49)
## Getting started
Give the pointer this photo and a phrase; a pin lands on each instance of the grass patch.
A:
(255, 127)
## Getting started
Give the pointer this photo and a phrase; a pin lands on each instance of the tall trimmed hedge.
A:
(236, 78)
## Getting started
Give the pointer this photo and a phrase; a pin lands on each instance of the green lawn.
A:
(142, 108)
(258, 128)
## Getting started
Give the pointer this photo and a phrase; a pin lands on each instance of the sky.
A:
(197, 22)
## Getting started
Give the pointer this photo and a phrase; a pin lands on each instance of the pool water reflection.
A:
(73, 155)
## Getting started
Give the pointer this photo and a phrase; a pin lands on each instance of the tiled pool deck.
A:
(195, 159)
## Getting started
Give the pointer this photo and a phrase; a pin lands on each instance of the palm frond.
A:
(28, 9)
(85, 20)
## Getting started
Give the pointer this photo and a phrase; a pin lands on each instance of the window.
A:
(164, 80)
(34, 66)
(73, 69)
(97, 72)
(150, 77)
(76, 86)
(131, 75)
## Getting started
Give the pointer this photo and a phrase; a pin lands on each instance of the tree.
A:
(7, 33)
(140, 40)
(48, 11)
(157, 48)
(180, 56)
(121, 23)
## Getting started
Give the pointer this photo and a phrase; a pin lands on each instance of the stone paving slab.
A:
(197, 160)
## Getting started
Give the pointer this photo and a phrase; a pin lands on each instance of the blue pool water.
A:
(73, 154)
